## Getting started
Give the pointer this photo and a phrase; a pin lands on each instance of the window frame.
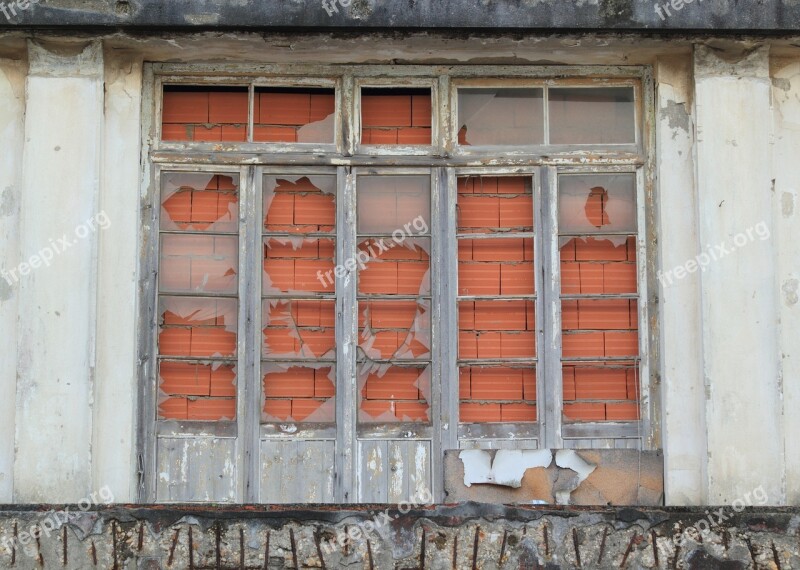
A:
(445, 161)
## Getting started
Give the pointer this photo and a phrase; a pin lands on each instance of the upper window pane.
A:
(198, 201)
(592, 115)
(204, 114)
(596, 203)
(396, 116)
(390, 203)
(500, 116)
(294, 115)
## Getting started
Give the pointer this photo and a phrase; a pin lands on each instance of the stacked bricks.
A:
(494, 329)
(599, 328)
(197, 335)
(220, 114)
(396, 116)
(298, 256)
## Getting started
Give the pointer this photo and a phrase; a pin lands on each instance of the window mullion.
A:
(550, 354)
(345, 489)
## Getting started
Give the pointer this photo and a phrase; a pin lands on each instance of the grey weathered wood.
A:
(439, 254)
(394, 470)
(297, 471)
(346, 339)
(196, 469)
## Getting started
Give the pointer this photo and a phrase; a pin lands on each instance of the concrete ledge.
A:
(467, 535)
(771, 16)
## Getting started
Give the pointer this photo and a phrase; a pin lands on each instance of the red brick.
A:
(582, 345)
(529, 384)
(213, 342)
(175, 342)
(392, 314)
(315, 209)
(570, 278)
(518, 344)
(598, 249)
(466, 315)
(319, 342)
(296, 382)
(517, 279)
(478, 212)
(262, 133)
(467, 345)
(421, 110)
(479, 278)
(600, 383)
(631, 248)
(632, 383)
(622, 343)
(464, 383)
(619, 278)
(396, 384)
(413, 278)
(591, 278)
(307, 272)
(227, 107)
(513, 185)
(500, 315)
(378, 277)
(280, 272)
(489, 345)
(517, 212)
(207, 134)
(211, 409)
(281, 210)
(302, 408)
(585, 412)
(604, 314)
(622, 411)
(284, 108)
(322, 105)
(178, 132)
(280, 409)
(479, 413)
(279, 340)
(518, 412)
(412, 411)
(231, 133)
(496, 384)
(323, 385)
(385, 110)
(527, 249)
(184, 107)
(414, 135)
(223, 381)
(465, 185)
(184, 378)
(568, 383)
(204, 206)
(173, 409)
(385, 343)
(569, 315)
(273, 249)
(567, 250)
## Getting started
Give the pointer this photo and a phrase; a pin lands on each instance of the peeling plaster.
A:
(787, 204)
(7, 202)
(569, 459)
(677, 115)
(508, 468)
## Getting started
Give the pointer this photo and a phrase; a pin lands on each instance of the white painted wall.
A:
(113, 437)
(12, 114)
(738, 293)
(786, 206)
(61, 176)
(683, 391)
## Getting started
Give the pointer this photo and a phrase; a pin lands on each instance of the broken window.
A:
(357, 273)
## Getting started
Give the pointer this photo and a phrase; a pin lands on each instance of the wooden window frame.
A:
(445, 161)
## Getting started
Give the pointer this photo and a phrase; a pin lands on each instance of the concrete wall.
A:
(726, 128)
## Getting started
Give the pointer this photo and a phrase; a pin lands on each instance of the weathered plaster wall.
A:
(56, 315)
(786, 202)
(12, 115)
(113, 439)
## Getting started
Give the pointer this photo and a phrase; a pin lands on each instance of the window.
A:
(348, 273)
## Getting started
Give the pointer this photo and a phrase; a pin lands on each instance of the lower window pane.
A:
(198, 327)
(197, 391)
